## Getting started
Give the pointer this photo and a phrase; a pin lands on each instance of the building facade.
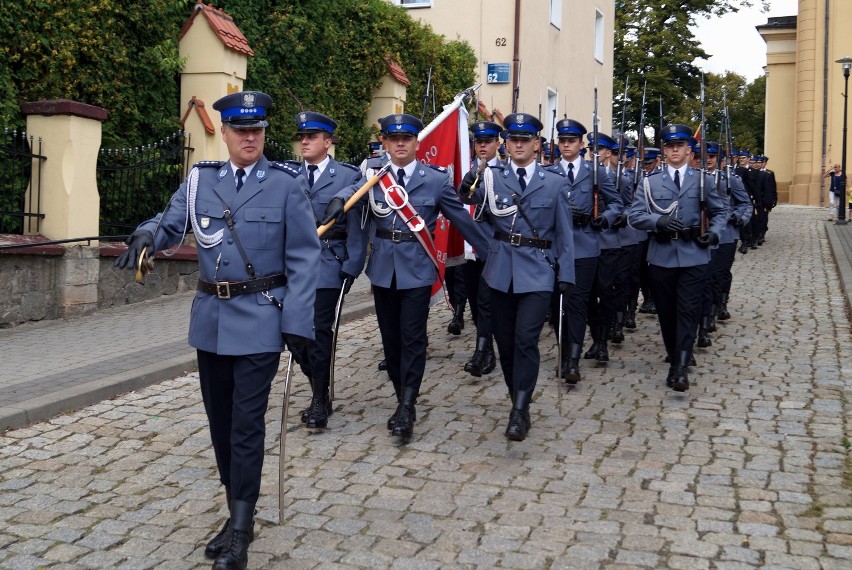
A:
(553, 52)
(804, 96)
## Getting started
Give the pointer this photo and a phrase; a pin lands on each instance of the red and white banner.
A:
(444, 142)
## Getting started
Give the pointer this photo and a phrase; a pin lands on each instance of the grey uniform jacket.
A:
(643, 216)
(274, 222)
(582, 201)
(740, 205)
(347, 254)
(546, 202)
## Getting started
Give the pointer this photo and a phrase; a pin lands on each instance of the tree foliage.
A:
(654, 43)
(325, 55)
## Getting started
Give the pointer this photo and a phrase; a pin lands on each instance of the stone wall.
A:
(79, 280)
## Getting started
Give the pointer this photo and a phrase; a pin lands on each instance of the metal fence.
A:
(136, 183)
(20, 200)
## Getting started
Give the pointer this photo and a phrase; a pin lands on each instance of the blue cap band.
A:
(252, 112)
(316, 125)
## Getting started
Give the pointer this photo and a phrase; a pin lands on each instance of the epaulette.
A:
(208, 164)
(374, 162)
(285, 167)
(654, 173)
(347, 165)
(555, 169)
(294, 164)
(436, 167)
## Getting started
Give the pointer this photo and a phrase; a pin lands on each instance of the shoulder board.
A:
(285, 167)
(654, 173)
(555, 169)
(438, 168)
(347, 165)
(208, 164)
(292, 164)
(374, 162)
(498, 166)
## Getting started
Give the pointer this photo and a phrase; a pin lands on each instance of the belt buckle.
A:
(223, 290)
(396, 236)
(515, 239)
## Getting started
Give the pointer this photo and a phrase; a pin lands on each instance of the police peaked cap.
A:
(693, 144)
(485, 130)
(651, 154)
(712, 147)
(244, 110)
(522, 125)
(308, 122)
(401, 124)
(672, 133)
(604, 141)
(570, 128)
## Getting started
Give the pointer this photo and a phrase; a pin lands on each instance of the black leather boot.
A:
(711, 324)
(457, 324)
(406, 415)
(519, 417)
(214, 547)
(490, 360)
(671, 376)
(743, 246)
(703, 336)
(724, 315)
(383, 365)
(630, 317)
(617, 330)
(592, 353)
(648, 307)
(680, 383)
(571, 372)
(476, 363)
(319, 410)
(234, 554)
(304, 413)
(603, 352)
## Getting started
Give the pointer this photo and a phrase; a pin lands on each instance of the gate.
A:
(20, 202)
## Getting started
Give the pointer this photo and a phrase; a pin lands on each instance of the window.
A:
(599, 36)
(552, 105)
(415, 3)
(556, 13)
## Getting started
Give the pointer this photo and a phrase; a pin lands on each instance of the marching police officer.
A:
(650, 164)
(486, 141)
(530, 210)
(257, 252)
(343, 252)
(400, 269)
(670, 204)
(584, 228)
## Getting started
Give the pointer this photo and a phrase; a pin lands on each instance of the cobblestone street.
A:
(749, 468)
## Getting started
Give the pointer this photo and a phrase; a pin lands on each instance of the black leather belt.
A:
(518, 239)
(334, 235)
(396, 236)
(228, 289)
(580, 219)
(684, 234)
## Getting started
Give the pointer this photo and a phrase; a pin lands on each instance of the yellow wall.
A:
(780, 107)
(560, 59)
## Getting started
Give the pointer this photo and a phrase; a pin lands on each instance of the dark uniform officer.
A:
(770, 195)
(585, 228)
(668, 203)
(486, 140)
(258, 255)
(608, 297)
(753, 181)
(530, 210)
(343, 252)
(399, 268)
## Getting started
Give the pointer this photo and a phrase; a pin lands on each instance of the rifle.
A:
(517, 92)
(729, 147)
(540, 146)
(552, 134)
(622, 142)
(426, 96)
(702, 191)
(640, 152)
(660, 133)
(595, 160)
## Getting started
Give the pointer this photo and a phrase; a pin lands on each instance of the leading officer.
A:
(669, 203)
(257, 252)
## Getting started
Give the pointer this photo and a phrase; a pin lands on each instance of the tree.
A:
(654, 43)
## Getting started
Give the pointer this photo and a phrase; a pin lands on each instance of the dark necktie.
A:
(400, 177)
(677, 179)
(571, 172)
(312, 170)
(240, 174)
(522, 178)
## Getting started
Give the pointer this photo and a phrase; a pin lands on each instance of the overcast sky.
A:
(734, 44)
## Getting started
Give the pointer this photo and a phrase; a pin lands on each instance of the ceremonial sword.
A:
(282, 439)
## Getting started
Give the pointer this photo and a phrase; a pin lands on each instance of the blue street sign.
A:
(498, 73)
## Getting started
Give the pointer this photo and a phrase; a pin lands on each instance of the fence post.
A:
(71, 132)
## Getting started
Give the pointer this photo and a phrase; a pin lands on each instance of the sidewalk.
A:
(50, 367)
